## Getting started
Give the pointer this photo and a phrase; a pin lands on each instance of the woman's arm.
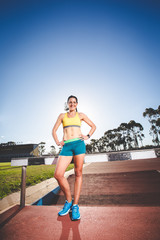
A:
(56, 126)
(90, 123)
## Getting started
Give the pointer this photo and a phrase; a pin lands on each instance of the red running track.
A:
(113, 223)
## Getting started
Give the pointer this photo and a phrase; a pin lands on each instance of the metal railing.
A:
(24, 162)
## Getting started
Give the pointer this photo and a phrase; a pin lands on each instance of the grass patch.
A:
(10, 177)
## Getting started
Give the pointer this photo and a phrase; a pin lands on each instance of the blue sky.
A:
(107, 53)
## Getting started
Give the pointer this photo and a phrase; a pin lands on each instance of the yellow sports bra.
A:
(71, 122)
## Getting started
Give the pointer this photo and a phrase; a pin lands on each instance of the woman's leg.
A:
(78, 166)
(61, 167)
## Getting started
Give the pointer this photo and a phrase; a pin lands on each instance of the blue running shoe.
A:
(65, 210)
(75, 212)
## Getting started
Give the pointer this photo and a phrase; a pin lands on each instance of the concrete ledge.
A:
(32, 194)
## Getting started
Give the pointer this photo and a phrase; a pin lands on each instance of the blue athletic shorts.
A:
(73, 148)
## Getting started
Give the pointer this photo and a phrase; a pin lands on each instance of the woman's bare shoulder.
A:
(61, 116)
(81, 115)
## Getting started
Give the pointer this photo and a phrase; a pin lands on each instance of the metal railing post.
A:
(23, 186)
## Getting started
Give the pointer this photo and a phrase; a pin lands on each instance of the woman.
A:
(72, 146)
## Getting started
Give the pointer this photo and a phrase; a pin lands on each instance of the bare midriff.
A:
(71, 132)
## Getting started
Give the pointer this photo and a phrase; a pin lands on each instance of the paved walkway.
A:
(108, 223)
(124, 203)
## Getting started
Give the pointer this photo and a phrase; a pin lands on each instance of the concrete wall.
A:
(50, 160)
(97, 157)
(143, 154)
(122, 155)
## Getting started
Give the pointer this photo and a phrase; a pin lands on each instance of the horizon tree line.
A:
(126, 136)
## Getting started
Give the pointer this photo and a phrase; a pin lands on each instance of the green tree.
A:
(123, 128)
(105, 142)
(100, 143)
(41, 147)
(94, 145)
(110, 140)
(136, 132)
(153, 116)
(125, 137)
(88, 148)
(11, 143)
(53, 150)
(117, 138)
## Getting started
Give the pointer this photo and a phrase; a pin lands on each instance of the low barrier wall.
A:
(143, 154)
(122, 155)
(94, 157)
